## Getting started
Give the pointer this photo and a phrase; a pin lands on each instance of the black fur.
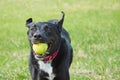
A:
(52, 33)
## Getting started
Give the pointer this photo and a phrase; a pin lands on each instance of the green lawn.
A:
(94, 27)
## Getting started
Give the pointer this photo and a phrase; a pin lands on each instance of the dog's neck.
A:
(51, 57)
(54, 54)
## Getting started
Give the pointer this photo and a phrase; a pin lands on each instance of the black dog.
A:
(55, 63)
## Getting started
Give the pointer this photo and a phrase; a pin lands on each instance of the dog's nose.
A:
(37, 36)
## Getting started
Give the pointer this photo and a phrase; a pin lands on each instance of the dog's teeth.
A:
(47, 52)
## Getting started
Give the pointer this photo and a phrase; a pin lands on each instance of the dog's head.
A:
(45, 32)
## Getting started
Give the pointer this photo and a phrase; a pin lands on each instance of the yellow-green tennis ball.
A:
(40, 48)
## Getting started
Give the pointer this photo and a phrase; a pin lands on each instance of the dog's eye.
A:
(33, 29)
(46, 28)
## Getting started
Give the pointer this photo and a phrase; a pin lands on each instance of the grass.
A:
(93, 25)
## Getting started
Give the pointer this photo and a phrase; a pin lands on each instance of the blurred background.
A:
(94, 27)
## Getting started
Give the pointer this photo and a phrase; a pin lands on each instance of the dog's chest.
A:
(46, 67)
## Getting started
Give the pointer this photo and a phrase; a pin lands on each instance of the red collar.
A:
(50, 58)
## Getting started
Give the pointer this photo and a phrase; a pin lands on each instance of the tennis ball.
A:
(40, 48)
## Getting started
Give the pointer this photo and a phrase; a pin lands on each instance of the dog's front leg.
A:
(34, 73)
(61, 75)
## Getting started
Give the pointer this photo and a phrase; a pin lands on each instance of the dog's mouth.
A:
(47, 52)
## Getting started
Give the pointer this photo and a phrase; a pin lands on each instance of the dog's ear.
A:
(28, 21)
(60, 22)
